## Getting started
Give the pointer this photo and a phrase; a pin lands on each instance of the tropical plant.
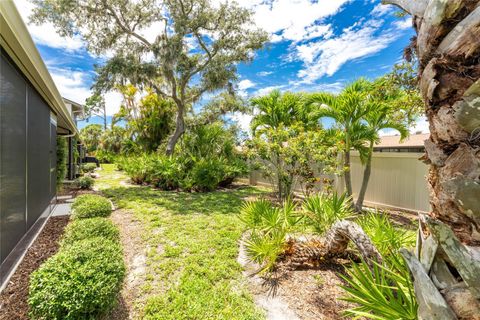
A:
(387, 238)
(322, 211)
(380, 116)
(449, 73)
(347, 109)
(90, 137)
(172, 68)
(85, 182)
(288, 143)
(95, 106)
(268, 229)
(381, 292)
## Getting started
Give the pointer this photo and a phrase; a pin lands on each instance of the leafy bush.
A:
(90, 206)
(89, 167)
(61, 160)
(384, 293)
(206, 159)
(385, 236)
(84, 182)
(321, 210)
(268, 226)
(81, 281)
(82, 229)
(105, 156)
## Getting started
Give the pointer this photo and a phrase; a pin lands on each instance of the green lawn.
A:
(195, 275)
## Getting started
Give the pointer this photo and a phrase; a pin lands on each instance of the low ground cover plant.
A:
(82, 229)
(89, 167)
(83, 280)
(84, 182)
(90, 206)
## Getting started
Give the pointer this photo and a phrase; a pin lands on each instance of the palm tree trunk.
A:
(334, 244)
(446, 264)
(366, 177)
(347, 175)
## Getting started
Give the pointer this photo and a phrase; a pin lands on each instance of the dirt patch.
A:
(312, 293)
(13, 300)
(135, 259)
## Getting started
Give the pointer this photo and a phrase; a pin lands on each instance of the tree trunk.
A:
(179, 130)
(348, 176)
(448, 49)
(334, 244)
(366, 177)
(104, 117)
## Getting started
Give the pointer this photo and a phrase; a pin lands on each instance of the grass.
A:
(195, 274)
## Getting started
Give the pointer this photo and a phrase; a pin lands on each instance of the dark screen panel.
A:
(53, 159)
(38, 156)
(12, 156)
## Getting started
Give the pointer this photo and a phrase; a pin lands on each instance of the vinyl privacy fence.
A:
(397, 180)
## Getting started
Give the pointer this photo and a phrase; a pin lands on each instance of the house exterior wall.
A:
(28, 156)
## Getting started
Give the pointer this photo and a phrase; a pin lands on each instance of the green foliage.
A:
(84, 182)
(322, 211)
(288, 143)
(89, 167)
(387, 238)
(81, 229)
(90, 137)
(104, 156)
(268, 227)
(81, 281)
(112, 140)
(383, 293)
(90, 206)
(206, 159)
(62, 152)
(199, 234)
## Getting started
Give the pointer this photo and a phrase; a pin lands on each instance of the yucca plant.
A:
(387, 238)
(322, 210)
(381, 292)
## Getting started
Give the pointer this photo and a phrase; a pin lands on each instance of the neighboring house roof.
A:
(77, 110)
(412, 141)
(18, 44)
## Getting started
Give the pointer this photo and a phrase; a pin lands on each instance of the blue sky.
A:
(314, 45)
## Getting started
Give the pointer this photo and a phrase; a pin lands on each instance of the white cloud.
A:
(245, 84)
(325, 57)
(45, 34)
(403, 24)
(267, 90)
(264, 73)
(380, 10)
(295, 20)
(243, 120)
(421, 125)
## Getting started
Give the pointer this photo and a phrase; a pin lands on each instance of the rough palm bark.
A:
(446, 264)
(334, 244)
(366, 177)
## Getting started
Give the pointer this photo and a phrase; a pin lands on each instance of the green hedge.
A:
(84, 182)
(82, 281)
(82, 229)
(91, 206)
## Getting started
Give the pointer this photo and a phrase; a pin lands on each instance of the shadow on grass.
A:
(224, 201)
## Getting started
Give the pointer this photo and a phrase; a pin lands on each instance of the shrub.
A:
(84, 182)
(166, 173)
(268, 226)
(321, 210)
(81, 281)
(385, 236)
(90, 206)
(89, 167)
(83, 229)
(105, 156)
(384, 293)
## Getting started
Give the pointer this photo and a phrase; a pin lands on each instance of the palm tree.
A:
(377, 118)
(347, 109)
(446, 264)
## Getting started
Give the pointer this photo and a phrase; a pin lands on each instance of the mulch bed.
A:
(13, 300)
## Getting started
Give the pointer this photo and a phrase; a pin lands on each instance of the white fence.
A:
(397, 180)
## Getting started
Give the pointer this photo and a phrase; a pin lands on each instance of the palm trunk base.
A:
(334, 244)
